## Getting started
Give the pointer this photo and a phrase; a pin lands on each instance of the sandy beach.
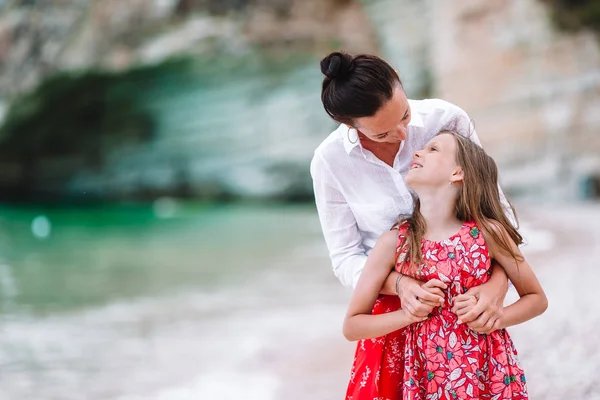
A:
(269, 328)
(559, 350)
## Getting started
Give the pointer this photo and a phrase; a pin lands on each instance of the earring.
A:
(348, 134)
(449, 182)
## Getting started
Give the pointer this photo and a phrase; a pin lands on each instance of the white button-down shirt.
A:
(359, 197)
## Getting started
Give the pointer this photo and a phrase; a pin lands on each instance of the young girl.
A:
(457, 227)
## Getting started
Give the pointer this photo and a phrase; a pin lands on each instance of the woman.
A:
(358, 175)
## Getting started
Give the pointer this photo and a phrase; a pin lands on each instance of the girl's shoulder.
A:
(491, 227)
(470, 224)
(388, 240)
(472, 234)
(493, 235)
(497, 236)
(400, 227)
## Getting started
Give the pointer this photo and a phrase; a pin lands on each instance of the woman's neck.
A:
(386, 152)
(438, 210)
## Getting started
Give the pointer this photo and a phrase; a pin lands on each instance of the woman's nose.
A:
(402, 132)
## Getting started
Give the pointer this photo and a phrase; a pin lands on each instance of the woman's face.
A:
(435, 165)
(390, 122)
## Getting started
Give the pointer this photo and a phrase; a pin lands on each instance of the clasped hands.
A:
(480, 309)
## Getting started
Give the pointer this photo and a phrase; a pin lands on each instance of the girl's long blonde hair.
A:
(478, 200)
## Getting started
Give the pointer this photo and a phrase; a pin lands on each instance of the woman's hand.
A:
(419, 298)
(482, 307)
(481, 310)
(410, 318)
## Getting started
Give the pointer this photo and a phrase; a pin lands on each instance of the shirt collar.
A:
(416, 119)
(350, 135)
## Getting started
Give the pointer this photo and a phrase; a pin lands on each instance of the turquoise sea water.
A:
(158, 301)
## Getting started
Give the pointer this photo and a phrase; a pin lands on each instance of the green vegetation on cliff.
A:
(573, 15)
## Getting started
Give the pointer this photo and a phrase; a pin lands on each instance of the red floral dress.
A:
(439, 358)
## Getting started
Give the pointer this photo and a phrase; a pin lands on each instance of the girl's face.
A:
(435, 165)
(390, 122)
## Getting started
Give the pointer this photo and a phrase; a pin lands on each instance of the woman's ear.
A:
(458, 175)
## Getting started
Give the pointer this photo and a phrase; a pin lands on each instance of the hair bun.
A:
(337, 65)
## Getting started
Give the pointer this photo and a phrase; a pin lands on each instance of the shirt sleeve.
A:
(338, 224)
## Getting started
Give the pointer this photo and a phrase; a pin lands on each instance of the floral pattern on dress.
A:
(441, 358)
(378, 369)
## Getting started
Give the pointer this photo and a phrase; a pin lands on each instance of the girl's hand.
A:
(463, 304)
(489, 308)
(483, 315)
(419, 298)
(435, 287)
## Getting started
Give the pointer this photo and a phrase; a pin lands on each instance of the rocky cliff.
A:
(138, 98)
(215, 99)
(532, 89)
(40, 38)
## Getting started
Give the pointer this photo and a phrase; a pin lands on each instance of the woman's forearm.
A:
(389, 286)
(367, 326)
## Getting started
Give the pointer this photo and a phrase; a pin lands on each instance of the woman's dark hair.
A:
(356, 86)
